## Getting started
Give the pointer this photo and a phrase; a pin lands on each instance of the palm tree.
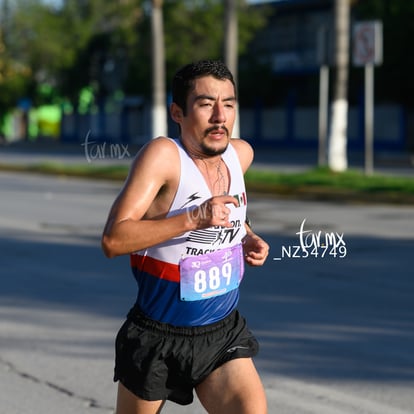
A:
(337, 155)
(159, 110)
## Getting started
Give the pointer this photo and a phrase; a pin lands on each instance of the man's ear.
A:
(176, 112)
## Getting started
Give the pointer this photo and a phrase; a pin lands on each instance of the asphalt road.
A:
(336, 333)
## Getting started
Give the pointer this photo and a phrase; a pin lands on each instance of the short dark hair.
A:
(183, 81)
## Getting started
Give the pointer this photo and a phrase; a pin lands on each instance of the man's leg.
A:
(233, 388)
(128, 403)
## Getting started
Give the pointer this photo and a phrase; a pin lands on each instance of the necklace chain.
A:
(220, 183)
(219, 186)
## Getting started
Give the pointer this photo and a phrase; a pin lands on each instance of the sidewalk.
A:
(103, 153)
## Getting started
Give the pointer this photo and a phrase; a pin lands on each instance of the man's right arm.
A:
(128, 229)
(138, 218)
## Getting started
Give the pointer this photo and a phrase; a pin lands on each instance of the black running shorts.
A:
(158, 361)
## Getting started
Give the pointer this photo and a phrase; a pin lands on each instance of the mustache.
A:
(216, 128)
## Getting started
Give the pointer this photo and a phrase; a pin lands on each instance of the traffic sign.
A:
(367, 43)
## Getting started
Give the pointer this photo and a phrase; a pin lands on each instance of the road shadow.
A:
(329, 318)
(349, 318)
(60, 271)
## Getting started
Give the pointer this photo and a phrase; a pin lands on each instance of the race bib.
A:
(212, 274)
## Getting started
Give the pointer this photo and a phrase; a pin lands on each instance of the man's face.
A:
(211, 110)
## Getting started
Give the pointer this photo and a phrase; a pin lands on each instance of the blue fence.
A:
(285, 127)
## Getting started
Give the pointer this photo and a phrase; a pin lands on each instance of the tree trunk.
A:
(159, 102)
(231, 49)
(337, 156)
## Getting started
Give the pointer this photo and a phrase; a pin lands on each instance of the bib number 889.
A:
(212, 278)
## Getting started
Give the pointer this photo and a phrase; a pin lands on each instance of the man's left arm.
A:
(255, 249)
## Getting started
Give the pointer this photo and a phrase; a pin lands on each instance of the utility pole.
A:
(231, 50)
(159, 101)
(337, 154)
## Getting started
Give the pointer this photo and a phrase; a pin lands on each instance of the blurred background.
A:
(73, 67)
(336, 334)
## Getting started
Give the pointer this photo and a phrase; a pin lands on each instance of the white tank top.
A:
(193, 191)
(162, 294)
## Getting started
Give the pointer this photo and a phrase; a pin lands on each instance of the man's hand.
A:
(213, 212)
(255, 249)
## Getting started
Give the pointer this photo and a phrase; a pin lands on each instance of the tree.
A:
(61, 44)
(337, 154)
(192, 31)
(15, 75)
(159, 111)
(67, 46)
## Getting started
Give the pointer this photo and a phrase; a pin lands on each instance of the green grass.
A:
(318, 183)
(323, 184)
(110, 172)
(324, 178)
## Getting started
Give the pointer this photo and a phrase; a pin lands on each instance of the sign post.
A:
(367, 52)
(323, 57)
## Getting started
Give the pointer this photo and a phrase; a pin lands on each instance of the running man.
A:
(181, 216)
